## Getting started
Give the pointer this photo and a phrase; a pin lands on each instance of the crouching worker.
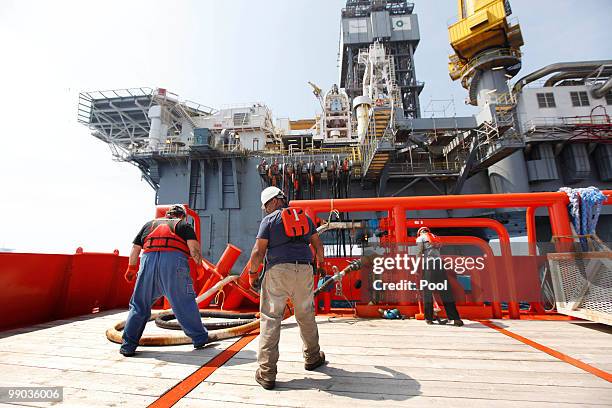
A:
(164, 271)
(283, 238)
(429, 245)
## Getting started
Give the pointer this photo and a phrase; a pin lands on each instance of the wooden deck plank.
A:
(496, 376)
(329, 397)
(418, 401)
(111, 382)
(552, 365)
(590, 343)
(397, 384)
(75, 354)
(406, 372)
(80, 398)
(372, 363)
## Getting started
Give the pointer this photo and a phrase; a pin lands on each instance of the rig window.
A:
(546, 100)
(609, 98)
(579, 98)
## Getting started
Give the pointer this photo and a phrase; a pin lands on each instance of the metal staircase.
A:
(378, 146)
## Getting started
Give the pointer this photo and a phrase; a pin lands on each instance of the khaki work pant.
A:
(282, 281)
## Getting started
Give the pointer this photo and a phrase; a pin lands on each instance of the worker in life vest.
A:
(428, 245)
(167, 244)
(284, 239)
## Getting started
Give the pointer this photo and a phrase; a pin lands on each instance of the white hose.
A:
(215, 288)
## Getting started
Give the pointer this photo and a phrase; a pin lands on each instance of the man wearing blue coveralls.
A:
(164, 271)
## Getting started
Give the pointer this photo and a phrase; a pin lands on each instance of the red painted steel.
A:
(219, 271)
(232, 294)
(522, 200)
(556, 202)
(60, 286)
(239, 290)
(504, 240)
(477, 281)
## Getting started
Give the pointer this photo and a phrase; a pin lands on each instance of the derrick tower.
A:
(391, 23)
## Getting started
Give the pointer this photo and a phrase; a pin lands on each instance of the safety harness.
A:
(163, 237)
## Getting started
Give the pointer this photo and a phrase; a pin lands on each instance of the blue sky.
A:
(60, 187)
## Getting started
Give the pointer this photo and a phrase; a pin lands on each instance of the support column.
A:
(533, 249)
(399, 218)
(560, 225)
(531, 230)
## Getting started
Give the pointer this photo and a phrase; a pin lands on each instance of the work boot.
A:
(127, 353)
(458, 322)
(266, 384)
(316, 364)
(202, 345)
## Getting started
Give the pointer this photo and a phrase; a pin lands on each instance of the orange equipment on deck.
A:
(397, 223)
(61, 286)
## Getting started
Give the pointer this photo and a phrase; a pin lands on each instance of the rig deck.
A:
(371, 363)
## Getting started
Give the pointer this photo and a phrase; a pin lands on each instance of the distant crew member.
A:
(283, 239)
(429, 245)
(164, 271)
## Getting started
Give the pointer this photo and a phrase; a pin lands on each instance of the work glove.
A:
(254, 280)
(130, 273)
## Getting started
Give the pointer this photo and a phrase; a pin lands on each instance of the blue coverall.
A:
(163, 273)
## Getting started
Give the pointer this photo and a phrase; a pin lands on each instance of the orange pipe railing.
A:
(556, 202)
(504, 240)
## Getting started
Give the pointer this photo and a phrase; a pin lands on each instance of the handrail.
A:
(438, 202)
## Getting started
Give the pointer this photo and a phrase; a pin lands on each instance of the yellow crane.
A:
(484, 40)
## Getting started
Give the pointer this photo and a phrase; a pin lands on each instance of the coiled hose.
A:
(173, 339)
(166, 320)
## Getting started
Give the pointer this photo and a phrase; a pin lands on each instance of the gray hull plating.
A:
(225, 193)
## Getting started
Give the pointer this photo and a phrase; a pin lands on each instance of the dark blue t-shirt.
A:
(281, 248)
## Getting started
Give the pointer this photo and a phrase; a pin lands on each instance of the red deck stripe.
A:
(563, 357)
(174, 394)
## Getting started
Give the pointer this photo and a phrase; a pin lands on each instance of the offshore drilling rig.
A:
(370, 138)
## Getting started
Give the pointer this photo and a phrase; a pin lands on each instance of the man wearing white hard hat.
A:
(284, 239)
(428, 245)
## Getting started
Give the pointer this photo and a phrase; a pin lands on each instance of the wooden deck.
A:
(372, 363)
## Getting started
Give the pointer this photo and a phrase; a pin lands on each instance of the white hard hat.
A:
(270, 193)
(422, 230)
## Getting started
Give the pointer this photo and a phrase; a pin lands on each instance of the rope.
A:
(219, 293)
(585, 207)
(333, 211)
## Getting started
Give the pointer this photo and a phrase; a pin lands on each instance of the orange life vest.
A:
(434, 240)
(162, 237)
(295, 222)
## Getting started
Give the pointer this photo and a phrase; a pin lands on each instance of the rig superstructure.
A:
(370, 138)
